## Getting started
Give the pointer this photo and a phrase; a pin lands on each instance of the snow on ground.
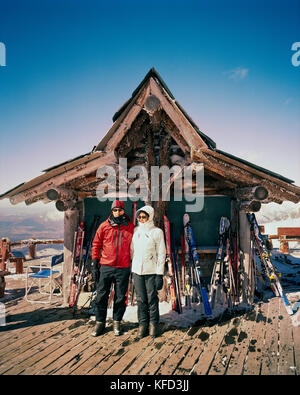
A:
(187, 318)
(46, 252)
(289, 267)
(287, 264)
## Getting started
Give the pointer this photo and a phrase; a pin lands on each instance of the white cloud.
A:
(46, 211)
(288, 101)
(53, 215)
(274, 216)
(287, 212)
(237, 74)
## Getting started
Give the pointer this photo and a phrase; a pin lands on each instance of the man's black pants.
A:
(109, 275)
(147, 298)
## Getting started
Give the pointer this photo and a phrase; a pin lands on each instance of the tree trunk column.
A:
(245, 245)
(32, 250)
(70, 226)
(284, 246)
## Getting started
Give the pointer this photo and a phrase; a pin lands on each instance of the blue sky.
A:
(71, 64)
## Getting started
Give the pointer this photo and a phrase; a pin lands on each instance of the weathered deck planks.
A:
(296, 339)
(270, 348)
(182, 346)
(164, 352)
(286, 360)
(241, 348)
(148, 353)
(48, 340)
(196, 348)
(206, 358)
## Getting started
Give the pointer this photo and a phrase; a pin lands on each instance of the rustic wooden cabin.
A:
(152, 129)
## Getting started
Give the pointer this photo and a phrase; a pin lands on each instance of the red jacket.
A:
(112, 244)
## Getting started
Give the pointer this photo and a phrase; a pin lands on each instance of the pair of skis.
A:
(79, 270)
(173, 277)
(229, 277)
(186, 272)
(225, 281)
(195, 269)
(267, 265)
(224, 286)
(76, 261)
(234, 238)
(191, 268)
(217, 290)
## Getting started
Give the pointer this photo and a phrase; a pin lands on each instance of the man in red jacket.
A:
(111, 264)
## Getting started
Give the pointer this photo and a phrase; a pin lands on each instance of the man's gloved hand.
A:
(95, 268)
(159, 281)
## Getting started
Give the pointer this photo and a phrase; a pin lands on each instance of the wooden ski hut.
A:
(152, 129)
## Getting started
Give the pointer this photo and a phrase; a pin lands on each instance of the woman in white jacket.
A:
(148, 254)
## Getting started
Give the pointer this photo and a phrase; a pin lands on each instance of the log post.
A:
(70, 226)
(252, 193)
(161, 206)
(250, 206)
(32, 250)
(4, 253)
(245, 245)
(150, 161)
(61, 194)
(284, 245)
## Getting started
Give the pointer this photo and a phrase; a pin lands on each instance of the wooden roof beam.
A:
(188, 133)
(63, 178)
(135, 135)
(244, 177)
(125, 121)
(224, 159)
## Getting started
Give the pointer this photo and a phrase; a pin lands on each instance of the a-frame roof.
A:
(209, 142)
(154, 74)
(187, 134)
(125, 108)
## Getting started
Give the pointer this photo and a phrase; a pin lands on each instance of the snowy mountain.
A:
(17, 227)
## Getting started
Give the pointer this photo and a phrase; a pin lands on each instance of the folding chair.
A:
(46, 273)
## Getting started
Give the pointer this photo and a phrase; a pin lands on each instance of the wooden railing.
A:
(6, 245)
(285, 235)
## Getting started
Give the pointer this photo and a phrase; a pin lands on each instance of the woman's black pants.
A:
(147, 298)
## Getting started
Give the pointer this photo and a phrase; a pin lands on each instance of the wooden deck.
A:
(48, 340)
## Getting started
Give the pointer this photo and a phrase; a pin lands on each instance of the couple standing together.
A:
(118, 249)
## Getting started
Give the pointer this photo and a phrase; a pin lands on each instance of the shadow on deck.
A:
(48, 339)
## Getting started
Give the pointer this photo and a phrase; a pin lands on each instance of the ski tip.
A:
(186, 219)
(289, 309)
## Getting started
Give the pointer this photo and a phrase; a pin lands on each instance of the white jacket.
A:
(148, 250)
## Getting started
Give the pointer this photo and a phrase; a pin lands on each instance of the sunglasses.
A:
(115, 210)
(142, 217)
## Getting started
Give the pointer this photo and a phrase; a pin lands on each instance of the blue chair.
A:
(44, 277)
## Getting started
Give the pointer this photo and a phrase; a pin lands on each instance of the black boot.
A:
(153, 330)
(143, 331)
(99, 328)
(117, 328)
